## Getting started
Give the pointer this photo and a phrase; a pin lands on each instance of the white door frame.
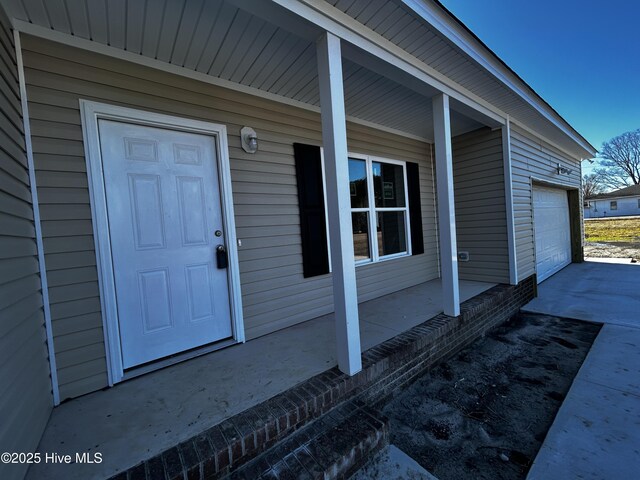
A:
(91, 112)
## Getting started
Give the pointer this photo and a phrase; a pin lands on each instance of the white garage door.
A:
(553, 234)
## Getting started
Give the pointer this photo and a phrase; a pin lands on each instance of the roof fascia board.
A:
(530, 132)
(333, 20)
(452, 30)
(77, 42)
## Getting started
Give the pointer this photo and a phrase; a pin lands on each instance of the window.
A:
(639, 203)
(613, 205)
(379, 208)
(385, 199)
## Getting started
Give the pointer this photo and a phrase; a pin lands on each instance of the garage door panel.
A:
(552, 230)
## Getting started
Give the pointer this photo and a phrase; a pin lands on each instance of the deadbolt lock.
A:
(221, 257)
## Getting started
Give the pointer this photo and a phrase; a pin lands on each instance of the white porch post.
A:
(334, 139)
(446, 206)
(508, 195)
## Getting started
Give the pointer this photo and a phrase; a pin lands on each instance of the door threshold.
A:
(177, 358)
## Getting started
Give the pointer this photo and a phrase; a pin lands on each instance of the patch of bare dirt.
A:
(613, 250)
(485, 413)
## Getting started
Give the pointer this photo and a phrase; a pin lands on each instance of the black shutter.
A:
(415, 209)
(315, 253)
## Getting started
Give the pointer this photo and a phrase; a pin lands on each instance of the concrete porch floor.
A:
(142, 417)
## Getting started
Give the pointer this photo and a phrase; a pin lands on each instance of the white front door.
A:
(163, 204)
(553, 231)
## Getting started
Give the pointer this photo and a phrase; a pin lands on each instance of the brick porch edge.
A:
(386, 367)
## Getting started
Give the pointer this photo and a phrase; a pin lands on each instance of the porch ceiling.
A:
(218, 38)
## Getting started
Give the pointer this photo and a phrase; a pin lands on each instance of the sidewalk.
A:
(596, 433)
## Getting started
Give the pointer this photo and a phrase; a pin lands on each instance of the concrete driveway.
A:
(594, 291)
(596, 433)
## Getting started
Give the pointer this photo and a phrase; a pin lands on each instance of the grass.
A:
(612, 230)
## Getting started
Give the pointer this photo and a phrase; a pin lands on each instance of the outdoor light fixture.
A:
(249, 139)
(564, 170)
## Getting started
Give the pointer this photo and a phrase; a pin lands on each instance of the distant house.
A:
(618, 203)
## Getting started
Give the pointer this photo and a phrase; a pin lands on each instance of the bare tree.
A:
(591, 185)
(620, 161)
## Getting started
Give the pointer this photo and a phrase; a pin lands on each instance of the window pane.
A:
(358, 183)
(388, 183)
(391, 233)
(360, 222)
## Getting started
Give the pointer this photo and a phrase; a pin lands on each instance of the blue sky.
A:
(582, 57)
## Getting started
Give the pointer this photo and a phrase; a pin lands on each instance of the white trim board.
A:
(346, 28)
(450, 28)
(77, 42)
(36, 221)
(91, 112)
(342, 25)
(508, 194)
(551, 184)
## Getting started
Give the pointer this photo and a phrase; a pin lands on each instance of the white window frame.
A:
(613, 205)
(371, 197)
(372, 210)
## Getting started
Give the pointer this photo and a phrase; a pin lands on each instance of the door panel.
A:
(193, 220)
(155, 300)
(145, 201)
(163, 203)
(200, 291)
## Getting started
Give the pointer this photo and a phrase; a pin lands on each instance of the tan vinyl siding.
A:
(534, 160)
(25, 387)
(481, 219)
(275, 294)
